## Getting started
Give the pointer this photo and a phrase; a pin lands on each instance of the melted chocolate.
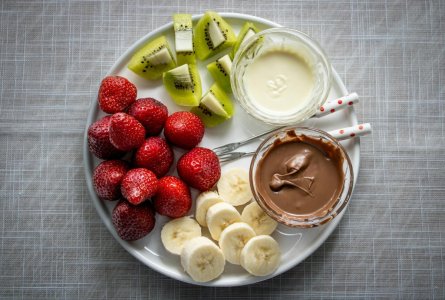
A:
(301, 175)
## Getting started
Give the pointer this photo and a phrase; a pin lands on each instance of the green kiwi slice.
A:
(220, 71)
(215, 107)
(183, 84)
(152, 59)
(246, 32)
(212, 35)
(183, 26)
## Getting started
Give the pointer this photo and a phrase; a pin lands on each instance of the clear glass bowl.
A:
(295, 220)
(289, 40)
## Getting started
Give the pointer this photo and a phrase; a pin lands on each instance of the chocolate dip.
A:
(301, 175)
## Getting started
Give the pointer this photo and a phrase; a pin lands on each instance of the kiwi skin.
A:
(203, 45)
(141, 65)
(184, 95)
(209, 118)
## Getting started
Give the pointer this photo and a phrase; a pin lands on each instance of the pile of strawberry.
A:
(140, 181)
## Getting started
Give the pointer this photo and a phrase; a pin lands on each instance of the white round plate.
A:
(295, 244)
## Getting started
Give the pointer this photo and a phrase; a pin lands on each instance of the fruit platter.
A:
(151, 171)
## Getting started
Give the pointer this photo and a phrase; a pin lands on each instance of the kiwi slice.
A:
(212, 35)
(220, 71)
(246, 32)
(153, 59)
(183, 26)
(215, 107)
(183, 84)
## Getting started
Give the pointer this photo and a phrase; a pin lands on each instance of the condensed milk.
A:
(280, 76)
(279, 81)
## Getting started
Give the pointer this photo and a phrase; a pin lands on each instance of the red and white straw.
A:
(334, 105)
(350, 132)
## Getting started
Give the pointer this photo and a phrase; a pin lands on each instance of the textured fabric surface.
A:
(389, 245)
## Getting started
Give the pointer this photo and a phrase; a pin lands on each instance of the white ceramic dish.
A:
(296, 244)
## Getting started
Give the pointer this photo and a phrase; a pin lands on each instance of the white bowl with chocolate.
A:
(301, 177)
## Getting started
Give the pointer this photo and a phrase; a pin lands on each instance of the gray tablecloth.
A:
(391, 241)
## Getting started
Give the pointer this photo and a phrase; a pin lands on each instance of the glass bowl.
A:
(294, 42)
(302, 220)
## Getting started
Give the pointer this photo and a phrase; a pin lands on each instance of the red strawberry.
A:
(199, 168)
(156, 155)
(184, 129)
(133, 222)
(151, 113)
(115, 94)
(107, 178)
(99, 140)
(126, 133)
(139, 185)
(173, 198)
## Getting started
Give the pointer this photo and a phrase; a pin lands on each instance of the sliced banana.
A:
(257, 218)
(177, 232)
(203, 202)
(219, 216)
(205, 232)
(233, 239)
(261, 255)
(202, 259)
(234, 187)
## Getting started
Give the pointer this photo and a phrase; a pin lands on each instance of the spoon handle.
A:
(339, 134)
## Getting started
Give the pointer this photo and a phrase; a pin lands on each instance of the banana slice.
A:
(177, 232)
(257, 218)
(233, 239)
(234, 187)
(203, 202)
(219, 216)
(261, 255)
(202, 259)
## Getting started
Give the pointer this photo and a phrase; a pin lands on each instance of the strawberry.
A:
(199, 168)
(156, 155)
(99, 140)
(116, 93)
(184, 129)
(126, 133)
(107, 178)
(173, 198)
(139, 185)
(151, 113)
(133, 222)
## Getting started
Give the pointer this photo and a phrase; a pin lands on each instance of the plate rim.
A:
(88, 162)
